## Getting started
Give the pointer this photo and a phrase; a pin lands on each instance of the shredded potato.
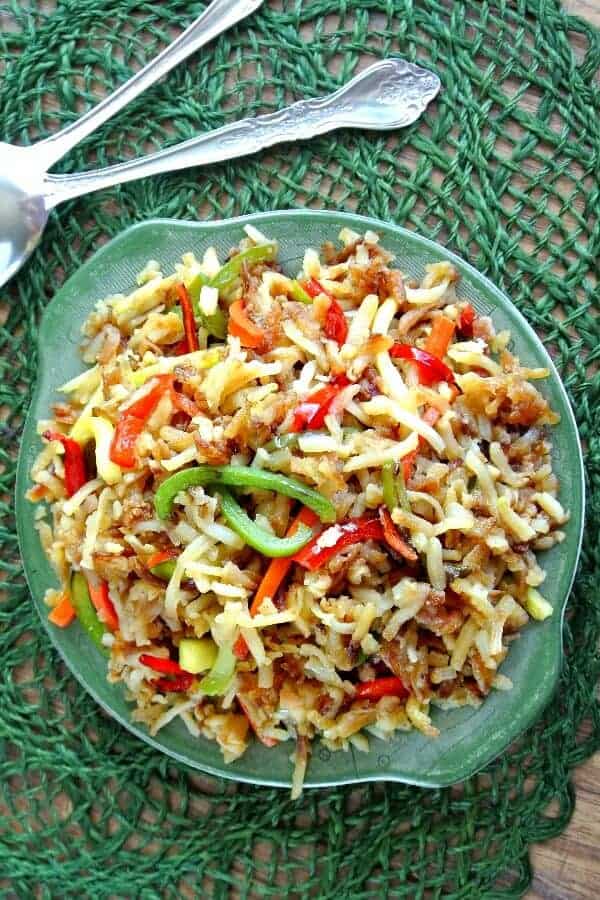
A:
(438, 470)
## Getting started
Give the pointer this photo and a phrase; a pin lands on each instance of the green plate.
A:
(469, 738)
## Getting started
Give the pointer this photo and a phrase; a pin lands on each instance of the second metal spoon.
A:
(389, 94)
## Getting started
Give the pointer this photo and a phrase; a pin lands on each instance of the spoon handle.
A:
(389, 94)
(216, 18)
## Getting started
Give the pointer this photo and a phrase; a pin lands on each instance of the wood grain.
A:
(568, 867)
(587, 9)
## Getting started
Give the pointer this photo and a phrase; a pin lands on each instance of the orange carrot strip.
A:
(184, 404)
(278, 568)
(276, 572)
(63, 613)
(440, 336)
(393, 537)
(162, 556)
(38, 492)
(241, 326)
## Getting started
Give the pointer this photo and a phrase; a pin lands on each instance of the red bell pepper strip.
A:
(430, 367)
(310, 414)
(122, 447)
(181, 401)
(162, 665)
(393, 537)
(354, 531)
(336, 325)
(180, 347)
(381, 687)
(103, 604)
(465, 321)
(144, 406)
(75, 471)
(178, 683)
(313, 288)
(132, 421)
(240, 648)
(189, 321)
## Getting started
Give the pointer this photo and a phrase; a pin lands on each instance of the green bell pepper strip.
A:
(218, 679)
(164, 569)
(223, 281)
(298, 293)
(401, 489)
(388, 484)
(290, 441)
(240, 476)
(228, 274)
(215, 324)
(266, 543)
(283, 441)
(194, 287)
(394, 487)
(86, 613)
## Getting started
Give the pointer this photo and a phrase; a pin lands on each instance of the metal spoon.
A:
(389, 94)
(23, 210)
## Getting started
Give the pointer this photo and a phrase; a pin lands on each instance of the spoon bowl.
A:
(24, 198)
(23, 212)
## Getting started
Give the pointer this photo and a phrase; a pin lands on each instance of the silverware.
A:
(389, 94)
(23, 210)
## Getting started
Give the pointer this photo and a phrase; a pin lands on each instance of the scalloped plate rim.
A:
(551, 677)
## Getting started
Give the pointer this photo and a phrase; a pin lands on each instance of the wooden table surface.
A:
(568, 867)
(587, 9)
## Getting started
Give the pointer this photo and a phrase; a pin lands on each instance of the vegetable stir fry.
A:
(298, 506)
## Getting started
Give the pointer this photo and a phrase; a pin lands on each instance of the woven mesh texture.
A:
(504, 169)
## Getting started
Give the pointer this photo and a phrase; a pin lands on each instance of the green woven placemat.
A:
(504, 168)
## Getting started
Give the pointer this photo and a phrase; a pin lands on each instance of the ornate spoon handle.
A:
(389, 94)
